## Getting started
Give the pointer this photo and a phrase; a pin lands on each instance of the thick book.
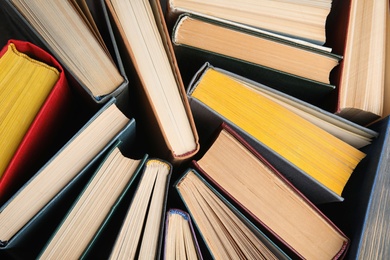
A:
(224, 230)
(100, 196)
(209, 115)
(59, 118)
(248, 44)
(83, 149)
(135, 226)
(358, 31)
(25, 84)
(242, 175)
(161, 99)
(180, 240)
(141, 233)
(363, 215)
(304, 20)
(96, 72)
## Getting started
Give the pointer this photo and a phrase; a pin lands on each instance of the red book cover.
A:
(40, 130)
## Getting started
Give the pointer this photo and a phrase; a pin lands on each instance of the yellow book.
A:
(319, 154)
(24, 85)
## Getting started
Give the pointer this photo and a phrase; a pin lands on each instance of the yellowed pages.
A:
(311, 149)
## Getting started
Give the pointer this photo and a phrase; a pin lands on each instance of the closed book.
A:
(297, 19)
(108, 185)
(161, 99)
(95, 72)
(180, 240)
(44, 134)
(142, 229)
(244, 177)
(358, 30)
(83, 149)
(209, 115)
(248, 44)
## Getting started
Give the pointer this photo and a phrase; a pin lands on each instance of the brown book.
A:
(246, 178)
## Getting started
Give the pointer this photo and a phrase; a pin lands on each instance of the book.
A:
(90, 63)
(361, 75)
(164, 110)
(105, 189)
(297, 19)
(351, 133)
(225, 231)
(362, 216)
(251, 45)
(61, 115)
(141, 233)
(180, 240)
(82, 149)
(29, 240)
(25, 84)
(283, 133)
(240, 173)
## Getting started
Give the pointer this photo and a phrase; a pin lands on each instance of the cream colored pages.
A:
(143, 40)
(61, 169)
(87, 215)
(82, 54)
(298, 19)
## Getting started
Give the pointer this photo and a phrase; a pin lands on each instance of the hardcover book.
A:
(96, 72)
(217, 96)
(243, 176)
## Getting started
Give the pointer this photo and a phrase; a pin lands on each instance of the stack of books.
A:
(185, 129)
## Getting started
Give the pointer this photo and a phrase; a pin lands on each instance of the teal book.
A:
(43, 200)
(100, 197)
